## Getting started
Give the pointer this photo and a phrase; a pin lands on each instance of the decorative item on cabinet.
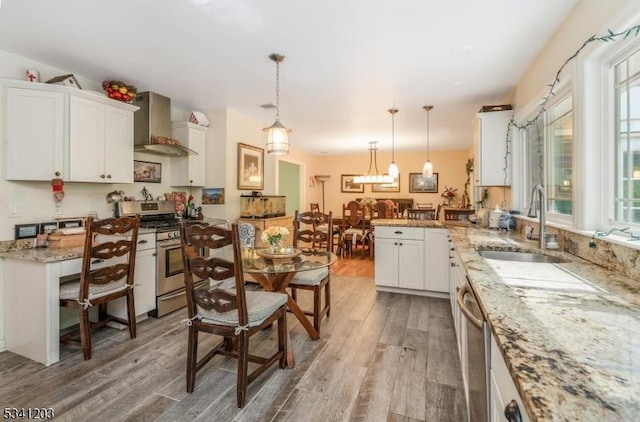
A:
(66, 80)
(32, 75)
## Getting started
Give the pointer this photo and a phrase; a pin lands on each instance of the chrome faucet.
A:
(538, 211)
(625, 230)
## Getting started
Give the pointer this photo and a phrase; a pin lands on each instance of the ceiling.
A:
(347, 62)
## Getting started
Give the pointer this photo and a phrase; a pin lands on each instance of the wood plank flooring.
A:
(381, 357)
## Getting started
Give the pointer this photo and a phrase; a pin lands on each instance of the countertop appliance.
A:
(160, 215)
(152, 124)
(483, 217)
(478, 354)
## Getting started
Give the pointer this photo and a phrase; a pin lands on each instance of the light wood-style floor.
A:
(381, 357)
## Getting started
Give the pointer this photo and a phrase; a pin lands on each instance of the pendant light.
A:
(277, 134)
(372, 177)
(427, 169)
(393, 171)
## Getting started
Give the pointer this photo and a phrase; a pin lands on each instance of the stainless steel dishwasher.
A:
(477, 354)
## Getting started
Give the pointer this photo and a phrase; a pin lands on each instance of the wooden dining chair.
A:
(225, 308)
(107, 273)
(306, 231)
(393, 207)
(354, 229)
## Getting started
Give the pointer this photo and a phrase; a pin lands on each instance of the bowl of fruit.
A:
(119, 91)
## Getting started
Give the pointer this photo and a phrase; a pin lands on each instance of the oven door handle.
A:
(164, 244)
(463, 308)
(173, 296)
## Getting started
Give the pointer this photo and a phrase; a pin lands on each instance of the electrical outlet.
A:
(57, 210)
(14, 210)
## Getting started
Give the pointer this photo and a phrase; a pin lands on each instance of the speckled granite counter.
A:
(23, 250)
(407, 223)
(569, 333)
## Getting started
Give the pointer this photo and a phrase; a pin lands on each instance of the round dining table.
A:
(274, 272)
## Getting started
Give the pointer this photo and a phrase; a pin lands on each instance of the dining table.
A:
(275, 270)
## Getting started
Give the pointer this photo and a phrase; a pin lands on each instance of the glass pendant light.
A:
(427, 169)
(393, 171)
(277, 134)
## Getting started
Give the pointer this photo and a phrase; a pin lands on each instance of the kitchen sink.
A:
(520, 256)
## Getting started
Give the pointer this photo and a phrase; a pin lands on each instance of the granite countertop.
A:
(24, 250)
(569, 333)
(400, 222)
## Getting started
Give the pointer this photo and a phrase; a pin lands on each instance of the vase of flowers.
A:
(448, 195)
(274, 236)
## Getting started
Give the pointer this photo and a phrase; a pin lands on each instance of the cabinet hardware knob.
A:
(397, 232)
(57, 173)
(97, 261)
(453, 264)
(102, 176)
(512, 412)
(395, 243)
(142, 242)
(452, 249)
(400, 243)
(108, 176)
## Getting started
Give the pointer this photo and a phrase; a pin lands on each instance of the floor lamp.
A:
(322, 178)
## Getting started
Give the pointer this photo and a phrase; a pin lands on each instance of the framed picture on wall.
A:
(387, 187)
(145, 171)
(250, 167)
(420, 184)
(347, 184)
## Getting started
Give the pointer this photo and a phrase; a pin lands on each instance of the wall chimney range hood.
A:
(152, 126)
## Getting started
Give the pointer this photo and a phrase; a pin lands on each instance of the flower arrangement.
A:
(274, 235)
(368, 201)
(448, 194)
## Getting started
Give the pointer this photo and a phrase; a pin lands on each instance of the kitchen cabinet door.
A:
(490, 147)
(386, 262)
(503, 389)
(100, 142)
(118, 146)
(399, 257)
(34, 134)
(144, 291)
(436, 260)
(189, 170)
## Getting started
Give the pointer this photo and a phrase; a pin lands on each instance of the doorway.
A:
(290, 184)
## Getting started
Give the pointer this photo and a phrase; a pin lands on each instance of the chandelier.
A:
(277, 134)
(372, 177)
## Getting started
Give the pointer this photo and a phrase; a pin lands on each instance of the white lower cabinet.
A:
(436, 260)
(503, 389)
(412, 258)
(399, 257)
(144, 292)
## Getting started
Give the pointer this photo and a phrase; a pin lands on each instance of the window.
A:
(534, 153)
(627, 140)
(559, 157)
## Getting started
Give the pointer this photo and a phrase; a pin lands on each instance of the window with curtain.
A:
(627, 139)
(559, 157)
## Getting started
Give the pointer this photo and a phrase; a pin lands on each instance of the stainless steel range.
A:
(160, 216)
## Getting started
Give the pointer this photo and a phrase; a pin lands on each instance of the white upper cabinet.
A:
(56, 131)
(490, 148)
(33, 130)
(189, 170)
(100, 142)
